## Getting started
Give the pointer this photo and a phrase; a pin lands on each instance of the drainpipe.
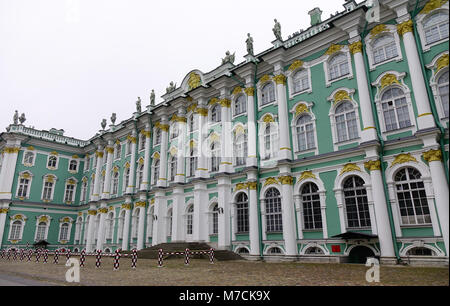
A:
(382, 151)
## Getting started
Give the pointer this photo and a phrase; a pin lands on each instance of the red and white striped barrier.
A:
(187, 254)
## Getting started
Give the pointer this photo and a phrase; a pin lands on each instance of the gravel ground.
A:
(226, 273)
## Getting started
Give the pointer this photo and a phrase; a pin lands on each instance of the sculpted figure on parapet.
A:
(277, 30)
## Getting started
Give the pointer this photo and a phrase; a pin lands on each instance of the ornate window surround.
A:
(52, 154)
(71, 181)
(335, 102)
(384, 82)
(242, 130)
(299, 109)
(47, 220)
(267, 118)
(17, 217)
(389, 29)
(292, 70)
(48, 178)
(420, 20)
(28, 175)
(29, 150)
(237, 93)
(62, 221)
(259, 86)
(344, 49)
(437, 72)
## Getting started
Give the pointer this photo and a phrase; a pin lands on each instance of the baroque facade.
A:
(331, 144)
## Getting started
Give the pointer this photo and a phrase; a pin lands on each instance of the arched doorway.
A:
(359, 254)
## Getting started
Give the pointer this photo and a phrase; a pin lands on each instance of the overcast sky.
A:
(68, 64)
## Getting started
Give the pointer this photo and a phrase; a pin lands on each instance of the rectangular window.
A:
(23, 188)
(48, 187)
(69, 193)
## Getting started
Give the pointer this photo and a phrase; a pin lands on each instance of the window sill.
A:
(399, 130)
(316, 230)
(416, 225)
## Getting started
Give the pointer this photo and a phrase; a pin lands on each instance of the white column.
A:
(131, 182)
(287, 206)
(103, 210)
(323, 211)
(381, 219)
(3, 213)
(141, 226)
(202, 117)
(251, 128)
(177, 215)
(283, 120)
(159, 230)
(255, 243)
(200, 229)
(369, 131)
(298, 209)
(224, 190)
(98, 172)
(126, 224)
(90, 238)
(164, 126)
(181, 156)
(146, 180)
(226, 145)
(8, 168)
(425, 117)
(109, 159)
(440, 187)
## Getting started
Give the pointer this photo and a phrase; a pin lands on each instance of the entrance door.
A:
(359, 254)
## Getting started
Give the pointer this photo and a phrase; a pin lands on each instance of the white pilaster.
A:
(98, 172)
(283, 118)
(90, 234)
(202, 117)
(126, 224)
(255, 246)
(11, 152)
(103, 210)
(251, 128)
(131, 182)
(226, 145)
(224, 189)
(3, 213)
(109, 159)
(200, 229)
(141, 226)
(177, 215)
(164, 126)
(159, 229)
(288, 217)
(181, 171)
(146, 180)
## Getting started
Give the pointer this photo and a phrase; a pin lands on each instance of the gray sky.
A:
(69, 63)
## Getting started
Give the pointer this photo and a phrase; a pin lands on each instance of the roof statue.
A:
(103, 124)
(152, 98)
(229, 58)
(16, 117)
(138, 105)
(113, 118)
(277, 30)
(171, 87)
(249, 42)
(22, 118)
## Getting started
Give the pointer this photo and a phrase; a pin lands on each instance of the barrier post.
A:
(211, 256)
(160, 258)
(45, 256)
(98, 261)
(134, 258)
(116, 260)
(30, 253)
(186, 257)
(68, 254)
(82, 257)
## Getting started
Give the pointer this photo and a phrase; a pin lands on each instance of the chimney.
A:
(316, 16)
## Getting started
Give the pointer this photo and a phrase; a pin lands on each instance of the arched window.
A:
(169, 222)
(157, 136)
(110, 226)
(270, 141)
(73, 165)
(240, 105)
(16, 230)
(52, 160)
(83, 191)
(216, 114)
(141, 142)
(192, 162)
(174, 130)
(412, 198)
(268, 94)
(189, 220)
(314, 250)
(274, 220)
(115, 183)
(156, 171)
(173, 167)
(192, 123)
(240, 149)
(436, 27)
(346, 123)
(215, 157)
(64, 232)
(356, 204)
(140, 175)
(275, 251)
(242, 215)
(118, 151)
(41, 231)
(338, 66)
(215, 219)
(304, 130)
(301, 80)
(395, 109)
(28, 158)
(312, 214)
(126, 179)
(24, 186)
(420, 252)
(443, 92)
(384, 48)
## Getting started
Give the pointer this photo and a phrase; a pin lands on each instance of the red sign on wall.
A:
(336, 248)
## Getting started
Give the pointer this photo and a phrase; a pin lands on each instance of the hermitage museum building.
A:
(329, 146)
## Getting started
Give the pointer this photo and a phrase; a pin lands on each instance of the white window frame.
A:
(30, 179)
(210, 113)
(69, 230)
(45, 180)
(260, 85)
(234, 100)
(244, 144)
(295, 117)
(47, 226)
(22, 226)
(74, 192)
(155, 138)
(56, 164)
(379, 107)
(26, 164)
(369, 40)
(274, 145)
(290, 80)
(326, 66)
(435, 86)
(155, 167)
(76, 167)
(420, 21)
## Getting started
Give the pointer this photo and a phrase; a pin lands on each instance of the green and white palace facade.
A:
(332, 143)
